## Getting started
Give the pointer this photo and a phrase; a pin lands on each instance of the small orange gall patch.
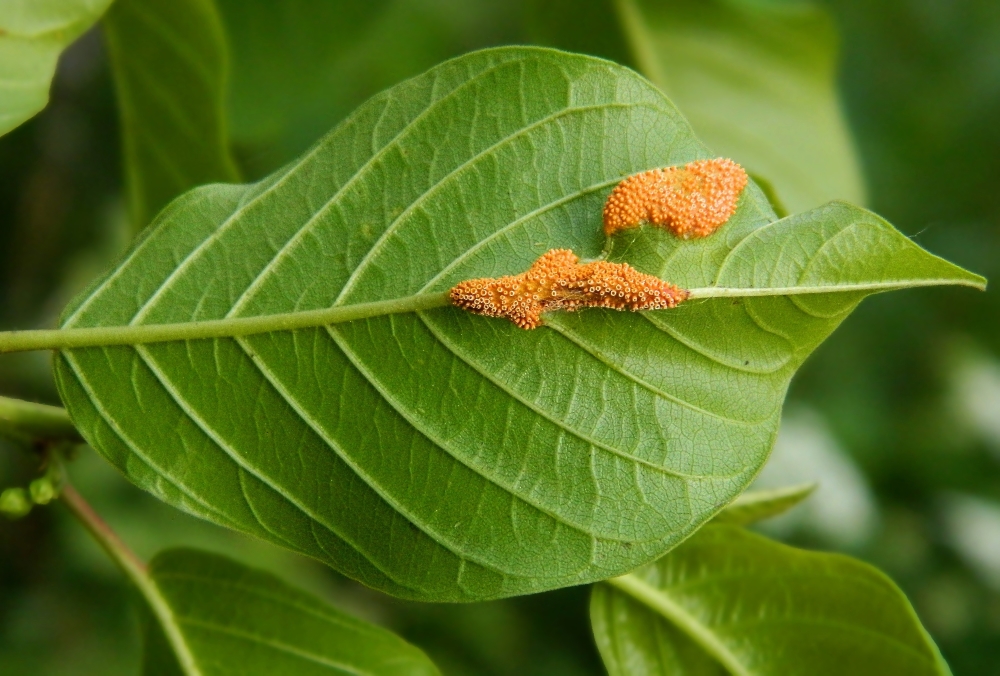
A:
(557, 281)
(690, 201)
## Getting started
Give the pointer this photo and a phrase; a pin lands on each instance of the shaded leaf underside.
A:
(437, 455)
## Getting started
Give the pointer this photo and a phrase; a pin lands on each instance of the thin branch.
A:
(659, 602)
(136, 571)
(25, 419)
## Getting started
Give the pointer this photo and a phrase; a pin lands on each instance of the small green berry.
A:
(43, 490)
(15, 503)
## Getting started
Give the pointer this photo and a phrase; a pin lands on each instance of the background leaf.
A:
(755, 78)
(754, 506)
(235, 619)
(765, 608)
(437, 455)
(299, 67)
(33, 34)
(169, 61)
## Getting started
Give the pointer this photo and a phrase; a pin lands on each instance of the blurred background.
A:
(894, 104)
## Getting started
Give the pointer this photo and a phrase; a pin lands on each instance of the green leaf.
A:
(756, 78)
(301, 66)
(435, 454)
(158, 657)
(227, 618)
(730, 601)
(758, 505)
(170, 64)
(33, 33)
(587, 26)
(290, 57)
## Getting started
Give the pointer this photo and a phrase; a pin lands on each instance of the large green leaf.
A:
(169, 60)
(731, 602)
(756, 78)
(225, 618)
(435, 454)
(33, 33)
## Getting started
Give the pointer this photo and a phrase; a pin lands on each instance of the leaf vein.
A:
(210, 432)
(450, 346)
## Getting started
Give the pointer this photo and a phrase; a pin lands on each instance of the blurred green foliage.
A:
(904, 388)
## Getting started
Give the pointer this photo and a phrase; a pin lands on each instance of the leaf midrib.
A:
(660, 602)
(143, 334)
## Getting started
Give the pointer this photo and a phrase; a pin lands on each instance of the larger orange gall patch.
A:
(557, 281)
(690, 201)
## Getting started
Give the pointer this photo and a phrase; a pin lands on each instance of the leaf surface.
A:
(228, 618)
(442, 456)
(756, 79)
(170, 63)
(33, 33)
(730, 601)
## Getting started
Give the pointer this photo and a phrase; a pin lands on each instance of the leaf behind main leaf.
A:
(437, 455)
(33, 33)
(231, 619)
(754, 506)
(170, 65)
(756, 79)
(728, 597)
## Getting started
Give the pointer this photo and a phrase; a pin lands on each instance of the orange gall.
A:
(557, 281)
(690, 201)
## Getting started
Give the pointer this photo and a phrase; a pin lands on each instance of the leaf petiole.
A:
(20, 418)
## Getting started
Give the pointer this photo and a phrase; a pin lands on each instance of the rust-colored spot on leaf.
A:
(557, 281)
(690, 201)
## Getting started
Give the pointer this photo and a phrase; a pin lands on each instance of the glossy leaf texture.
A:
(757, 80)
(33, 33)
(170, 64)
(729, 601)
(438, 455)
(231, 619)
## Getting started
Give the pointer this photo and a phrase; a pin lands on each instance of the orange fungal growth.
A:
(557, 281)
(690, 201)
